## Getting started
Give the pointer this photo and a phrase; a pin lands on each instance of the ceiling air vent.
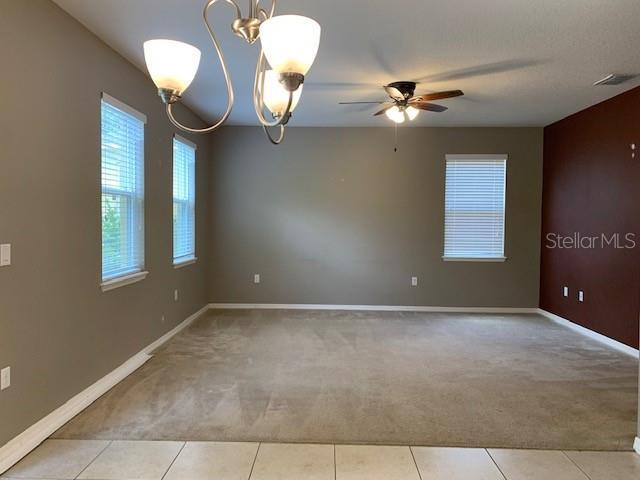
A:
(614, 79)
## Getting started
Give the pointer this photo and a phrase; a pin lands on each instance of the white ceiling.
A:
(520, 62)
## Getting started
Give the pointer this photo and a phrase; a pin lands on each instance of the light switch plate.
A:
(581, 296)
(5, 378)
(175, 295)
(414, 281)
(256, 278)
(565, 291)
(5, 254)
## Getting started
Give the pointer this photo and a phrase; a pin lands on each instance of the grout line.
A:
(415, 462)
(335, 465)
(577, 466)
(254, 460)
(95, 458)
(495, 463)
(184, 444)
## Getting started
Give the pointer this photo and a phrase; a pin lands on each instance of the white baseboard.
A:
(18, 447)
(590, 333)
(177, 329)
(636, 445)
(372, 308)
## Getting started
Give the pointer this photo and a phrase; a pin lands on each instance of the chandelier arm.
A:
(271, 10)
(230, 2)
(225, 71)
(258, 86)
(271, 139)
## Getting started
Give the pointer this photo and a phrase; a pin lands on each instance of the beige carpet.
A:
(389, 378)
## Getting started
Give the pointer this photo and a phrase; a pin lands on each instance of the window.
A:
(122, 193)
(474, 207)
(184, 201)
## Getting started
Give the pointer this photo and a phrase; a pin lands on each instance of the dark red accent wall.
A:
(592, 187)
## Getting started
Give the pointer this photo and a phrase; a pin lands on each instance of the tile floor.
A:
(161, 460)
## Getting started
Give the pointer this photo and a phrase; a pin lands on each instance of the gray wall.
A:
(334, 216)
(58, 331)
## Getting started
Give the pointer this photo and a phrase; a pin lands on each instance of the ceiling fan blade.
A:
(393, 92)
(431, 107)
(357, 103)
(382, 111)
(438, 95)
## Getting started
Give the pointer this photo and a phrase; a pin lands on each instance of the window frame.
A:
(190, 202)
(136, 198)
(485, 258)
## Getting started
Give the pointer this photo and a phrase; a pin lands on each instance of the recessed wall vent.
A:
(614, 79)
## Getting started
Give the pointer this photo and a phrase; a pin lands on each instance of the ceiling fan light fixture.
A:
(412, 112)
(403, 105)
(290, 43)
(171, 64)
(276, 96)
(395, 114)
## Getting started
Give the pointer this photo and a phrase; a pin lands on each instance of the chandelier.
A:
(288, 42)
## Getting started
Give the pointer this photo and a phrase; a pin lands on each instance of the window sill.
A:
(185, 262)
(474, 259)
(122, 281)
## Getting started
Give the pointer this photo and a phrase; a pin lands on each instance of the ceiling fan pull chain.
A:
(395, 146)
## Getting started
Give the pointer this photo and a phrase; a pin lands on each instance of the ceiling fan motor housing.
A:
(406, 88)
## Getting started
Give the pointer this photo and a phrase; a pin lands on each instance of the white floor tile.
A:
(213, 460)
(58, 459)
(536, 465)
(133, 460)
(608, 465)
(294, 462)
(371, 462)
(455, 464)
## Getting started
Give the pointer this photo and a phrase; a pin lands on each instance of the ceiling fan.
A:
(404, 105)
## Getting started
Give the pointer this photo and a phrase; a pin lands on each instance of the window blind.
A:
(184, 200)
(122, 179)
(475, 206)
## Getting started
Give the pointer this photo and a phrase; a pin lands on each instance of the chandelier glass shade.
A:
(275, 96)
(288, 42)
(172, 65)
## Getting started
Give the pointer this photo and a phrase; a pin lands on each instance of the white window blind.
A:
(184, 200)
(474, 207)
(122, 189)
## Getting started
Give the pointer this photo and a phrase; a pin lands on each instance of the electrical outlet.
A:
(256, 278)
(414, 281)
(581, 296)
(565, 291)
(175, 295)
(5, 378)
